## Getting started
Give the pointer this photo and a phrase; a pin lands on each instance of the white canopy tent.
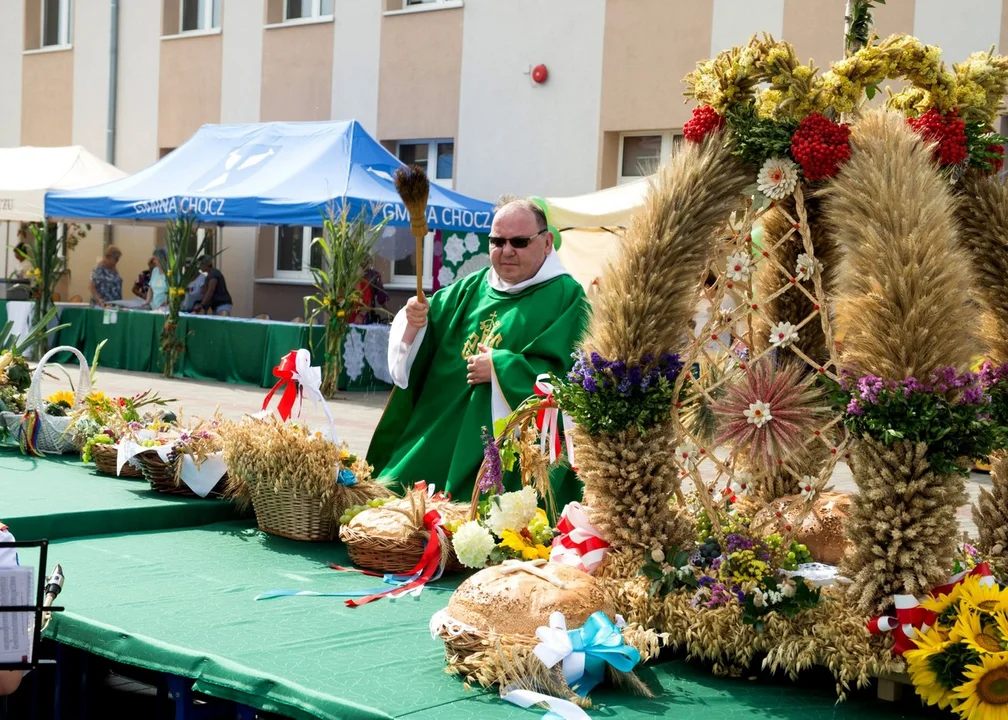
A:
(592, 227)
(26, 173)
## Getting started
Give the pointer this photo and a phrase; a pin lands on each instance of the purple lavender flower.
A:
(635, 375)
(493, 477)
(624, 386)
(854, 407)
(597, 361)
(590, 385)
(705, 581)
(715, 564)
(738, 593)
(973, 395)
(869, 388)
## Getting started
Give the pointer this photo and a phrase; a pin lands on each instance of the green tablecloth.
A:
(189, 609)
(232, 350)
(59, 497)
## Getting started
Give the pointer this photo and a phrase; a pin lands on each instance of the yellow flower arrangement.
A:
(734, 77)
(61, 396)
(517, 542)
(986, 598)
(984, 695)
(963, 664)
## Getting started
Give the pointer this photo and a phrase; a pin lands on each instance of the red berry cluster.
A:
(820, 146)
(998, 162)
(705, 120)
(949, 132)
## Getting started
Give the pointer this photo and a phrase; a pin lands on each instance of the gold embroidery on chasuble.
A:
(487, 336)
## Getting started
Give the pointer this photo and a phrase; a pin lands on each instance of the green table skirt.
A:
(189, 609)
(228, 350)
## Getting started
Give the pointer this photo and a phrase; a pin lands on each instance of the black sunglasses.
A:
(517, 243)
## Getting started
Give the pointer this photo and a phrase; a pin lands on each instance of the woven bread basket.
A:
(392, 538)
(106, 458)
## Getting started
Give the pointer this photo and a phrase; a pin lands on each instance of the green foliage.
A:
(949, 666)
(860, 24)
(756, 138)
(980, 137)
(804, 598)
(667, 577)
(607, 411)
(347, 246)
(182, 268)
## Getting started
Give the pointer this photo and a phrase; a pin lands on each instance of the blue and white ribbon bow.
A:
(586, 651)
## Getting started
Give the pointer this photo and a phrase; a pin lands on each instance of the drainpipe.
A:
(113, 92)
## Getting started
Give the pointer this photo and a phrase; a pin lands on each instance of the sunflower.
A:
(971, 628)
(988, 598)
(61, 396)
(984, 695)
(946, 607)
(921, 669)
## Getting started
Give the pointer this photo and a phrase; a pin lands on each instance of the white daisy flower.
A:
(739, 267)
(808, 484)
(777, 178)
(741, 483)
(758, 413)
(806, 266)
(783, 334)
(687, 453)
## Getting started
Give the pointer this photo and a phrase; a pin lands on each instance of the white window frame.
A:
(315, 16)
(408, 282)
(432, 159)
(206, 24)
(305, 273)
(63, 32)
(668, 138)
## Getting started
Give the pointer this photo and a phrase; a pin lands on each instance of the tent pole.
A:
(113, 92)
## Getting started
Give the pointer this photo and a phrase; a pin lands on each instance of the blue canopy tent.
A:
(268, 174)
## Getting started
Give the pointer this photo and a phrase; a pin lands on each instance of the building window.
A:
(200, 15)
(56, 23)
(436, 157)
(642, 153)
(307, 9)
(296, 253)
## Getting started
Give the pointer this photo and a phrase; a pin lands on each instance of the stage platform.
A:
(59, 497)
(182, 602)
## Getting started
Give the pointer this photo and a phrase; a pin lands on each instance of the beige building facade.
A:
(446, 83)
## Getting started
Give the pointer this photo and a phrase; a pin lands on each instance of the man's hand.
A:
(479, 367)
(416, 312)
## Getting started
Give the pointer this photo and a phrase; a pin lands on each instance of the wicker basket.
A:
(53, 432)
(161, 476)
(295, 517)
(396, 550)
(106, 457)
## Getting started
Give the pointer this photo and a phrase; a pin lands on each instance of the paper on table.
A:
(201, 480)
(16, 584)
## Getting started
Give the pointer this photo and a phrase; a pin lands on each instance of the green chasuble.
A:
(432, 429)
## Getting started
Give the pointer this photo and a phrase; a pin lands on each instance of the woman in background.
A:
(157, 291)
(106, 283)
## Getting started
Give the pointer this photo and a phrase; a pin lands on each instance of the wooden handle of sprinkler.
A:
(419, 232)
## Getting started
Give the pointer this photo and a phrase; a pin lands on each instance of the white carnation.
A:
(472, 543)
(513, 510)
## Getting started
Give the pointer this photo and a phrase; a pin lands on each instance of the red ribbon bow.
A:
(285, 371)
(431, 495)
(911, 619)
(422, 572)
(580, 543)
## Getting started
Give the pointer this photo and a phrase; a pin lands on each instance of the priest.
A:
(470, 355)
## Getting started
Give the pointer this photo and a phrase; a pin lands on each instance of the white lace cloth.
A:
(367, 345)
(442, 621)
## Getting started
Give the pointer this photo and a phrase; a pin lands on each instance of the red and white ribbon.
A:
(580, 543)
(548, 422)
(912, 619)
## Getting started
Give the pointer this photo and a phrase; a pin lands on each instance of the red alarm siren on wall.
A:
(539, 74)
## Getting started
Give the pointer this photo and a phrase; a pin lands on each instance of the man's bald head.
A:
(522, 221)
